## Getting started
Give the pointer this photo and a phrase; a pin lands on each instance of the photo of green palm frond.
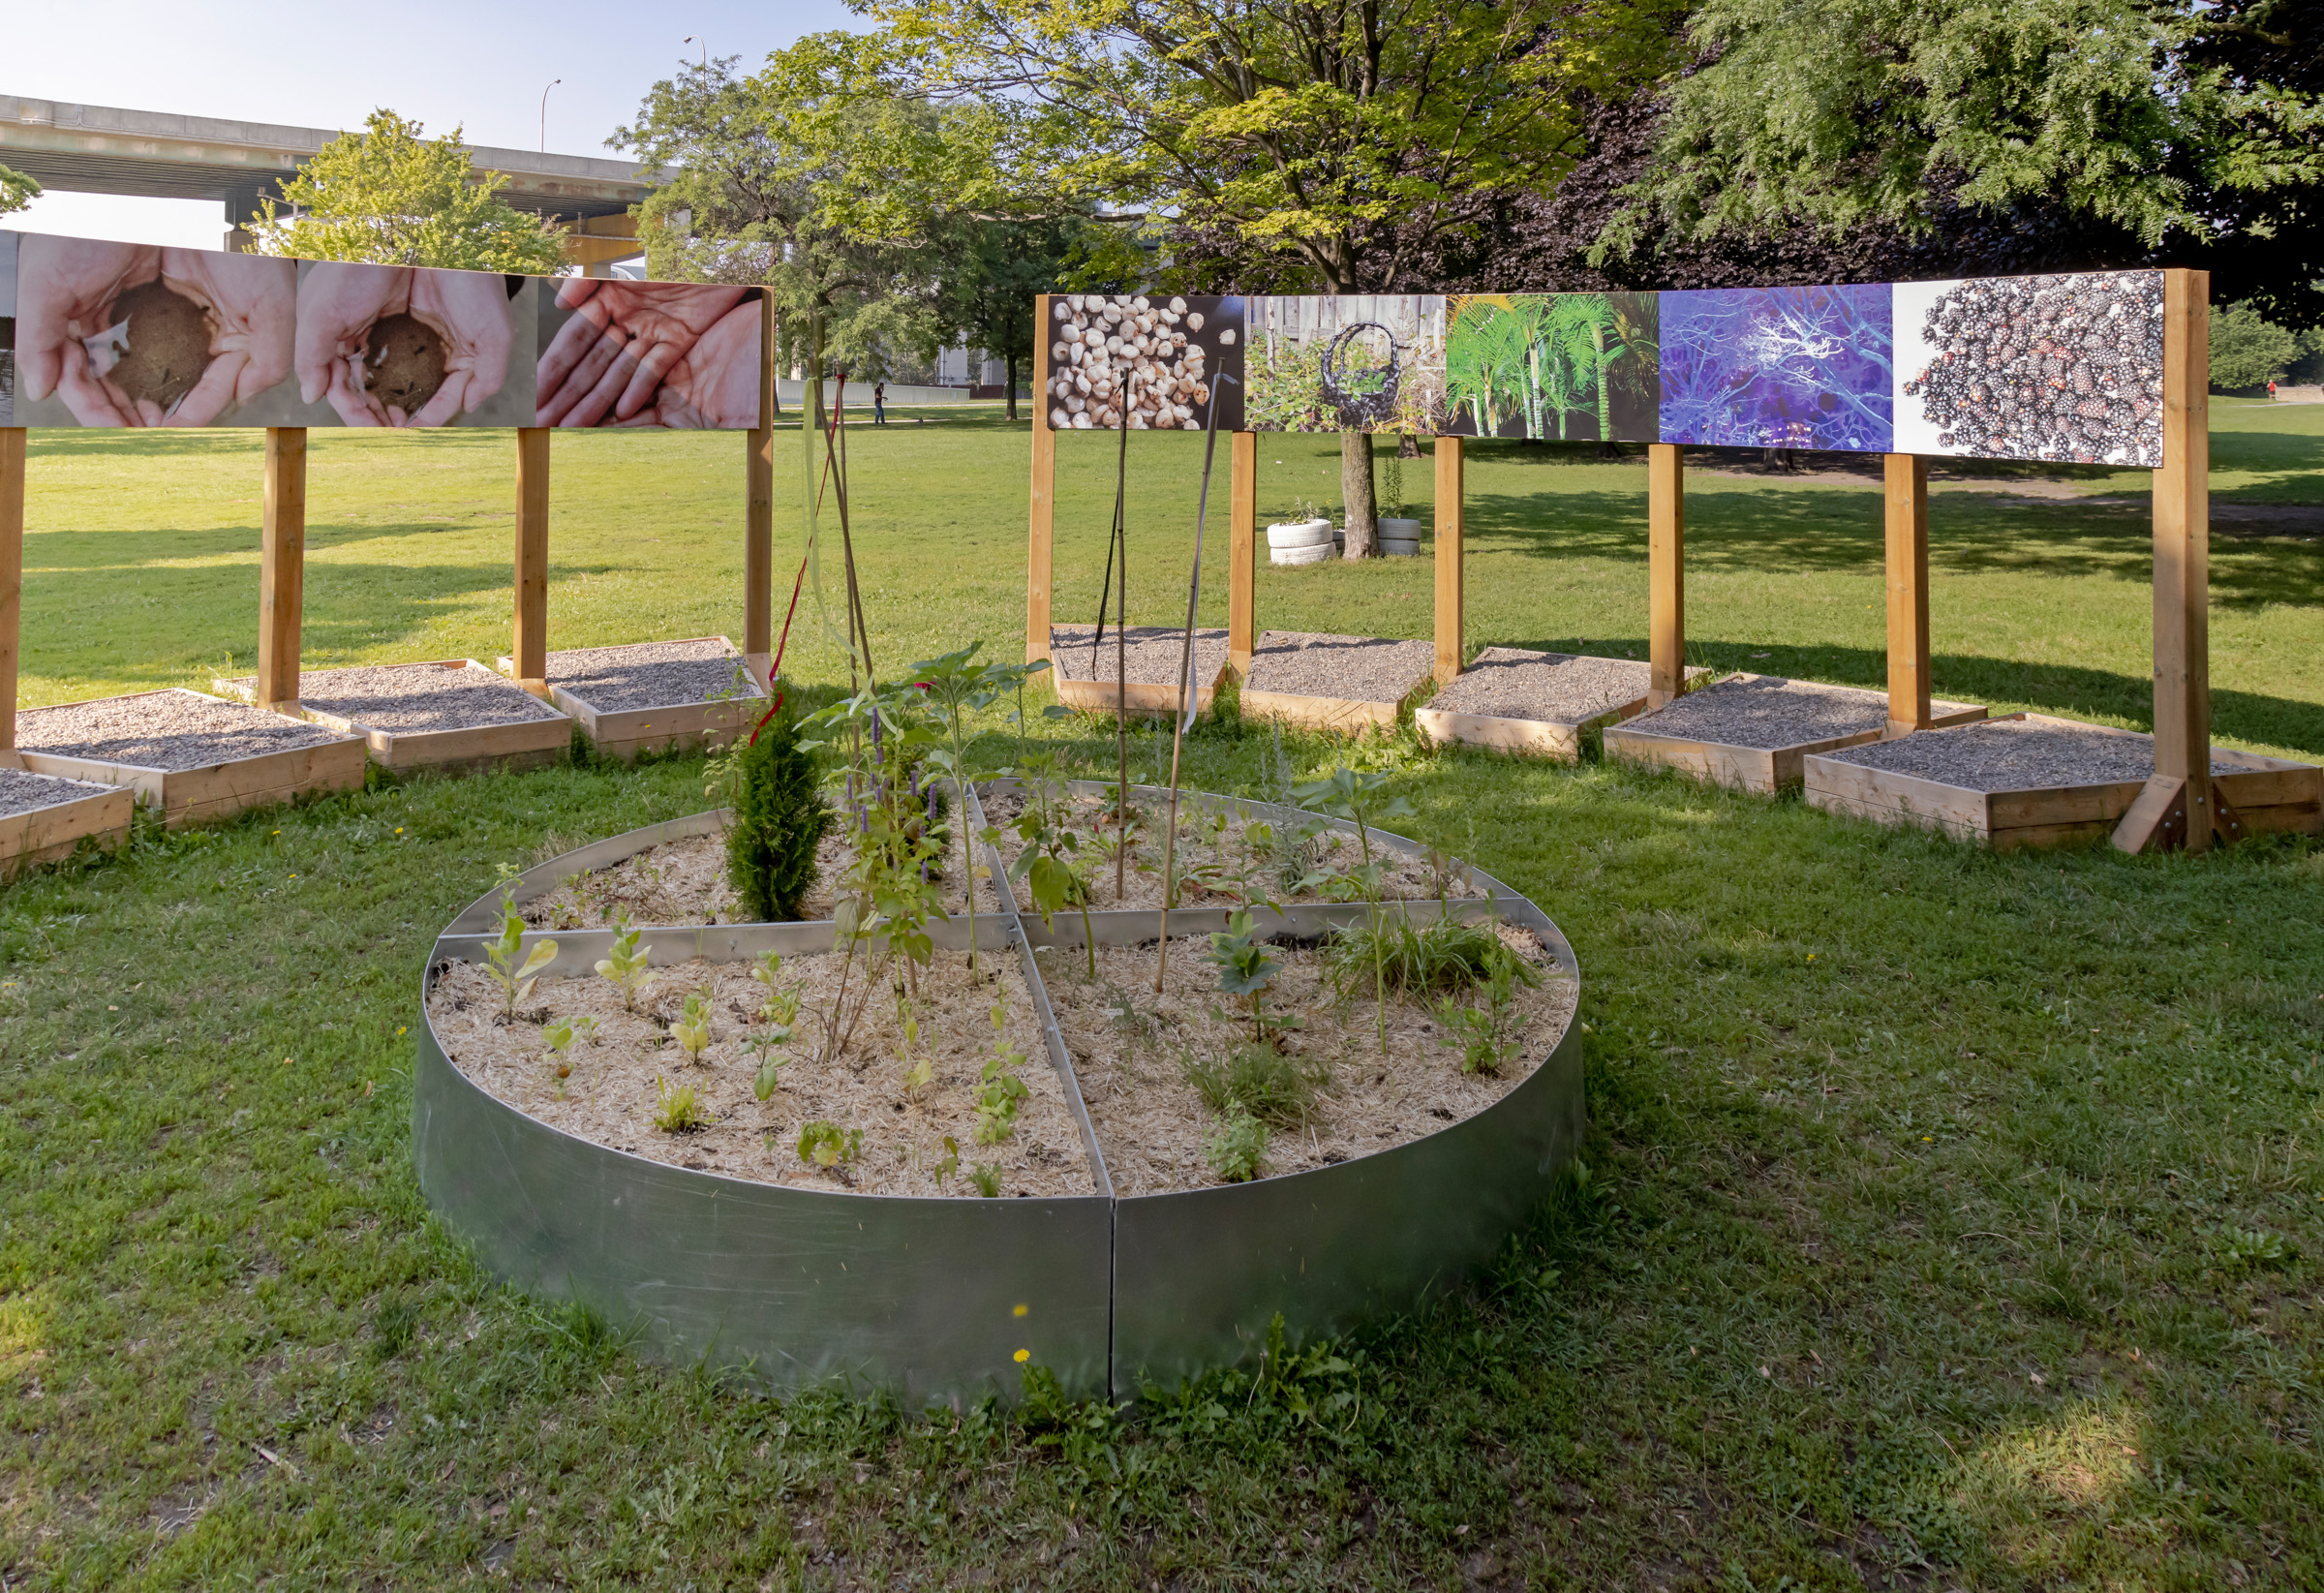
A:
(1562, 366)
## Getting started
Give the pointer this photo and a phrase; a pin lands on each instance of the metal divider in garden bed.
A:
(1752, 731)
(178, 737)
(951, 1298)
(2031, 780)
(446, 714)
(620, 725)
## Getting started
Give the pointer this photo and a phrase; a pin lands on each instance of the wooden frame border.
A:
(625, 732)
(217, 790)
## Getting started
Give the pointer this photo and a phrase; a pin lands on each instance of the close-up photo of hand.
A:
(715, 387)
(252, 300)
(627, 339)
(340, 305)
(63, 286)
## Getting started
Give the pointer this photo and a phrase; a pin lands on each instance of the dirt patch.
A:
(611, 1098)
(1128, 1046)
(403, 362)
(1220, 861)
(168, 344)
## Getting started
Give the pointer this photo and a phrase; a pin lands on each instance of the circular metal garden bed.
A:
(949, 1299)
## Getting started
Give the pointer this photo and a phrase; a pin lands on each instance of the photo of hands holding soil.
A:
(123, 335)
(678, 355)
(405, 346)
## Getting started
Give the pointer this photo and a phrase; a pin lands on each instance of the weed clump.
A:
(1258, 1080)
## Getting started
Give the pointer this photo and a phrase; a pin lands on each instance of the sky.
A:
(480, 65)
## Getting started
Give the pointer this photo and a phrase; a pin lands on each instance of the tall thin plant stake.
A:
(1118, 541)
(1185, 715)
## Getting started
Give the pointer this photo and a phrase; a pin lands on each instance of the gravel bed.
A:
(1768, 711)
(2016, 756)
(1509, 683)
(173, 729)
(1153, 654)
(614, 680)
(409, 697)
(1305, 664)
(21, 792)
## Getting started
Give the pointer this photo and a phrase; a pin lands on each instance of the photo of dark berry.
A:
(2065, 368)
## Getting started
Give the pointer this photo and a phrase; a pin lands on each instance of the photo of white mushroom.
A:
(1153, 362)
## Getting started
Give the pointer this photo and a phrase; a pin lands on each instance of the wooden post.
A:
(529, 650)
(2183, 552)
(282, 566)
(1242, 551)
(1041, 547)
(1665, 571)
(1450, 595)
(12, 580)
(1908, 566)
(758, 525)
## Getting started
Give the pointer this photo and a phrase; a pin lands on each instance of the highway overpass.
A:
(104, 149)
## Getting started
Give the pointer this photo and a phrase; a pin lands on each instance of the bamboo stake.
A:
(1185, 715)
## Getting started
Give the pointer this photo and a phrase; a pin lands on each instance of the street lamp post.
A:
(544, 114)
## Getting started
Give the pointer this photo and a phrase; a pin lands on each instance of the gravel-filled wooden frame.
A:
(1650, 740)
(2260, 793)
(1153, 656)
(1557, 731)
(1375, 675)
(952, 1299)
(526, 740)
(218, 789)
(55, 829)
(625, 732)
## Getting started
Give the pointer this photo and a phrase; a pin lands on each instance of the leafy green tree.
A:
(1840, 113)
(2248, 349)
(985, 286)
(1324, 141)
(391, 197)
(16, 190)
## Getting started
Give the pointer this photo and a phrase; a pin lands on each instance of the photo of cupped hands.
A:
(134, 335)
(400, 346)
(650, 353)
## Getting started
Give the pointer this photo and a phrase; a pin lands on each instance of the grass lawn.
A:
(1952, 1220)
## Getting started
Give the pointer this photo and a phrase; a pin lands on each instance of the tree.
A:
(2130, 130)
(390, 197)
(984, 291)
(16, 190)
(2248, 349)
(1311, 142)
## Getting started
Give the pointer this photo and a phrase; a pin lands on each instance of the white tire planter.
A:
(1397, 549)
(1315, 555)
(1395, 530)
(1299, 534)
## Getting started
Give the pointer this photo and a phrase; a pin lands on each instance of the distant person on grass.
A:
(880, 403)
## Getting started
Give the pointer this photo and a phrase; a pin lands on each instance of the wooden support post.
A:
(1450, 595)
(1041, 548)
(1666, 572)
(12, 580)
(529, 649)
(1242, 551)
(282, 566)
(2183, 552)
(758, 525)
(1908, 566)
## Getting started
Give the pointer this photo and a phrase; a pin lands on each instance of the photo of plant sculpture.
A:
(1778, 368)
(1574, 367)
(2060, 367)
(1345, 362)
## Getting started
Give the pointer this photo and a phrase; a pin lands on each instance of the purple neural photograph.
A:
(1778, 368)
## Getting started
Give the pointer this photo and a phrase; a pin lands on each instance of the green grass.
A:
(1910, 1254)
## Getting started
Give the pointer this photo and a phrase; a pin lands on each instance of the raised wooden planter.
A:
(48, 834)
(1766, 769)
(1324, 713)
(624, 733)
(513, 744)
(2259, 794)
(1558, 739)
(218, 790)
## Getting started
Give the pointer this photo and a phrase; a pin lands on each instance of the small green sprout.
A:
(781, 1007)
(561, 1035)
(626, 963)
(951, 1163)
(678, 1110)
(1237, 1148)
(511, 968)
(1001, 1093)
(826, 1144)
(985, 1180)
(692, 1030)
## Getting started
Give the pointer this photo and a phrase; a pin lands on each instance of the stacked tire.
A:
(1303, 542)
(1399, 539)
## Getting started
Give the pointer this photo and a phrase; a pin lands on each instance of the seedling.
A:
(625, 962)
(985, 1178)
(1237, 1148)
(1483, 1033)
(561, 1035)
(1001, 1093)
(770, 1060)
(951, 1163)
(1346, 794)
(1244, 968)
(958, 686)
(678, 1110)
(511, 967)
(692, 1030)
(1051, 878)
(826, 1144)
(781, 1007)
